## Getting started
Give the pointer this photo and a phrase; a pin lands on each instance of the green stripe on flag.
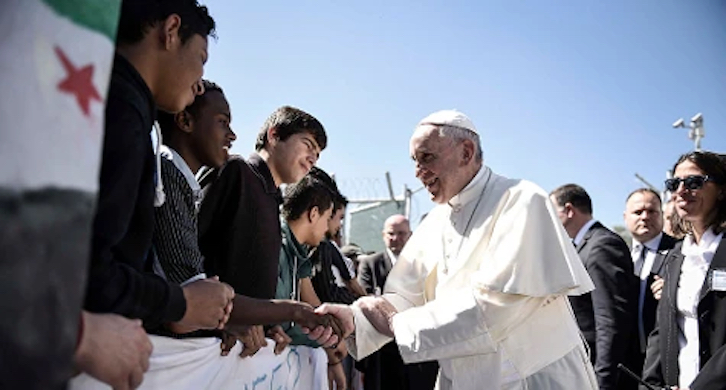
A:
(97, 15)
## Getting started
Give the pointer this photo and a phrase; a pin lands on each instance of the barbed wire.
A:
(364, 187)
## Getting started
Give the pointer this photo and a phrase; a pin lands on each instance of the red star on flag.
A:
(78, 82)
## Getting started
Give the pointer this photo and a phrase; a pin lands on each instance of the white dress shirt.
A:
(392, 257)
(183, 167)
(583, 230)
(652, 249)
(696, 261)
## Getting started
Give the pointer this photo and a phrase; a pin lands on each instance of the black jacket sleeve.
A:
(610, 267)
(652, 373)
(365, 274)
(713, 374)
(117, 282)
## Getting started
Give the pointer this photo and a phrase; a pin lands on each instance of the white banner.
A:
(196, 364)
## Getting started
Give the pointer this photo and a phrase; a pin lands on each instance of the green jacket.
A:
(294, 265)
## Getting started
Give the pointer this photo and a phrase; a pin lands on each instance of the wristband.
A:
(334, 364)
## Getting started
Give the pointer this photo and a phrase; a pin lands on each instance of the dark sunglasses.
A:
(693, 182)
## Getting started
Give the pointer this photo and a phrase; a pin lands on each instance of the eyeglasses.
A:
(693, 182)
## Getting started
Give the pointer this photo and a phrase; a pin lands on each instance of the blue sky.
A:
(561, 91)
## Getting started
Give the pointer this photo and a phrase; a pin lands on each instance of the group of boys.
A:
(175, 258)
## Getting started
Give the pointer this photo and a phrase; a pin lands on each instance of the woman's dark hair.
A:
(714, 166)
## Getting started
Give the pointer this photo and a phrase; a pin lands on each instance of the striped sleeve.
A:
(175, 228)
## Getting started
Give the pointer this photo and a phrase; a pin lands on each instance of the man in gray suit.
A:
(605, 315)
(385, 369)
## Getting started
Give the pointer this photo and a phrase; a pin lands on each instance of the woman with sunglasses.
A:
(687, 348)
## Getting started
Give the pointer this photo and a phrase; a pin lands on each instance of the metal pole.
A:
(407, 200)
(390, 186)
(652, 187)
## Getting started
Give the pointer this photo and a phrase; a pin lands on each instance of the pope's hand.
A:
(379, 313)
(343, 314)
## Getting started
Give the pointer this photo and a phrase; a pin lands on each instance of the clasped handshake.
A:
(212, 304)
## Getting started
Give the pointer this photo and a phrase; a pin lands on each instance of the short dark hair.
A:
(288, 121)
(138, 16)
(167, 121)
(338, 199)
(303, 196)
(575, 195)
(714, 166)
(644, 190)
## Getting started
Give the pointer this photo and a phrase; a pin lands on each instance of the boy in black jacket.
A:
(239, 221)
(160, 52)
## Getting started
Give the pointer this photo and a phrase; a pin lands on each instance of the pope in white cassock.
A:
(482, 284)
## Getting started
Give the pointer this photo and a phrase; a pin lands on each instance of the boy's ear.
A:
(169, 31)
(313, 214)
(272, 136)
(183, 121)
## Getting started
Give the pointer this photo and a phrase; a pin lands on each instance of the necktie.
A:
(641, 294)
(641, 260)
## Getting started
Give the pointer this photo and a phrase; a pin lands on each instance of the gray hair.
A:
(460, 134)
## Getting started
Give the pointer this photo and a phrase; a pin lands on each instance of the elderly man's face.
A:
(439, 162)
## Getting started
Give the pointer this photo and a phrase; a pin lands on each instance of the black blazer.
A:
(373, 271)
(606, 314)
(661, 360)
(650, 304)
(635, 358)
(239, 227)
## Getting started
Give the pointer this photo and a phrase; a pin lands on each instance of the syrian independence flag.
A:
(55, 66)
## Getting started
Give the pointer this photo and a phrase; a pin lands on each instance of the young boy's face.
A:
(212, 135)
(320, 226)
(295, 156)
(183, 70)
(336, 221)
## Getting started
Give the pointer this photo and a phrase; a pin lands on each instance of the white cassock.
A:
(482, 286)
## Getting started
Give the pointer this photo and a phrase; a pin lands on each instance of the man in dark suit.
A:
(385, 369)
(605, 315)
(644, 220)
(374, 269)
